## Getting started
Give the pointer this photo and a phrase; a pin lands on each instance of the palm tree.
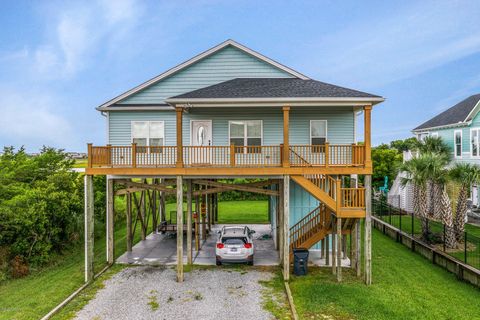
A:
(434, 145)
(416, 170)
(442, 200)
(466, 174)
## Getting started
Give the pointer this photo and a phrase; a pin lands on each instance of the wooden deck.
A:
(227, 160)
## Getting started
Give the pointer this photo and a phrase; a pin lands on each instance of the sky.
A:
(61, 59)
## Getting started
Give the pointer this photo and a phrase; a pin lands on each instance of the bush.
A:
(41, 206)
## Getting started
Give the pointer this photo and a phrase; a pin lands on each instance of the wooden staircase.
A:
(344, 202)
(311, 228)
(315, 226)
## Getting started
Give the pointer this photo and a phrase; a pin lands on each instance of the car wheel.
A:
(219, 263)
(250, 263)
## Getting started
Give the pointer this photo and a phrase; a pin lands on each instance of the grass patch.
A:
(274, 297)
(80, 163)
(473, 250)
(242, 212)
(152, 300)
(405, 286)
(81, 300)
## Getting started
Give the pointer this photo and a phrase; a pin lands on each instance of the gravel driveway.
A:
(152, 293)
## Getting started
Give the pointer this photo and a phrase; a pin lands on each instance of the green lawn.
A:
(34, 296)
(248, 212)
(405, 286)
(473, 236)
(80, 163)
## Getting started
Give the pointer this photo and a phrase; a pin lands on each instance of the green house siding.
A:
(225, 64)
(447, 135)
(340, 124)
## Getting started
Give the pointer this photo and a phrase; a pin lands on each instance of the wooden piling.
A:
(339, 249)
(89, 223)
(189, 221)
(368, 230)
(286, 216)
(110, 222)
(179, 229)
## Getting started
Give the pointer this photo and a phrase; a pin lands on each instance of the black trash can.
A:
(300, 261)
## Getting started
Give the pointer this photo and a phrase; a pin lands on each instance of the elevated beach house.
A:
(459, 127)
(231, 112)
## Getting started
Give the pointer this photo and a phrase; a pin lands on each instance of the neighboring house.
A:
(399, 195)
(232, 112)
(459, 127)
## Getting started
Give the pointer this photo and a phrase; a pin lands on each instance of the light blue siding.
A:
(447, 135)
(340, 123)
(225, 64)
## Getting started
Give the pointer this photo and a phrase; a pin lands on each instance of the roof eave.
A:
(291, 101)
(446, 126)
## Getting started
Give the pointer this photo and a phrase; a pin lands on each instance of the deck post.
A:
(179, 126)
(179, 229)
(286, 216)
(110, 222)
(368, 230)
(339, 249)
(286, 143)
(89, 223)
(143, 213)
(189, 221)
(163, 215)
(128, 198)
(358, 248)
(280, 220)
(197, 222)
(327, 250)
(367, 110)
(334, 247)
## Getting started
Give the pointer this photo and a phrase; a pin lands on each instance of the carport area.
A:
(161, 249)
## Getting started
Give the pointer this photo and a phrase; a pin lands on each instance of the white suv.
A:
(234, 244)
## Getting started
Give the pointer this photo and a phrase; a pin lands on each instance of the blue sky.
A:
(59, 60)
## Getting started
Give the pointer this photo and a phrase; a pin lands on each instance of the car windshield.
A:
(234, 241)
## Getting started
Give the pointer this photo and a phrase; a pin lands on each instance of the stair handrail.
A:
(298, 229)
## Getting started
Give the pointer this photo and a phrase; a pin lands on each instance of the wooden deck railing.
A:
(353, 198)
(225, 156)
(327, 155)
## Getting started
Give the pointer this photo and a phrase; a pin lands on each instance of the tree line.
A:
(41, 208)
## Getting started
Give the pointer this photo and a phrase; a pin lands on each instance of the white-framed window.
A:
(434, 134)
(148, 134)
(474, 137)
(246, 133)
(318, 132)
(457, 139)
(422, 135)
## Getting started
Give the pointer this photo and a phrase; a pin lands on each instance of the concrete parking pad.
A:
(160, 249)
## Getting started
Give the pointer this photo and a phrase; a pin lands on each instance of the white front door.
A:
(201, 136)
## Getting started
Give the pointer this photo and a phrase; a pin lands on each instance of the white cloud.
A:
(29, 118)
(400, 44)
(79, 31)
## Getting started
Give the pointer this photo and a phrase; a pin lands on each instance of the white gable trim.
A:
(473, 112)
(197, 58)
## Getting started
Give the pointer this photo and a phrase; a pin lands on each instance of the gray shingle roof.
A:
(273, 88)
(457, 113)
